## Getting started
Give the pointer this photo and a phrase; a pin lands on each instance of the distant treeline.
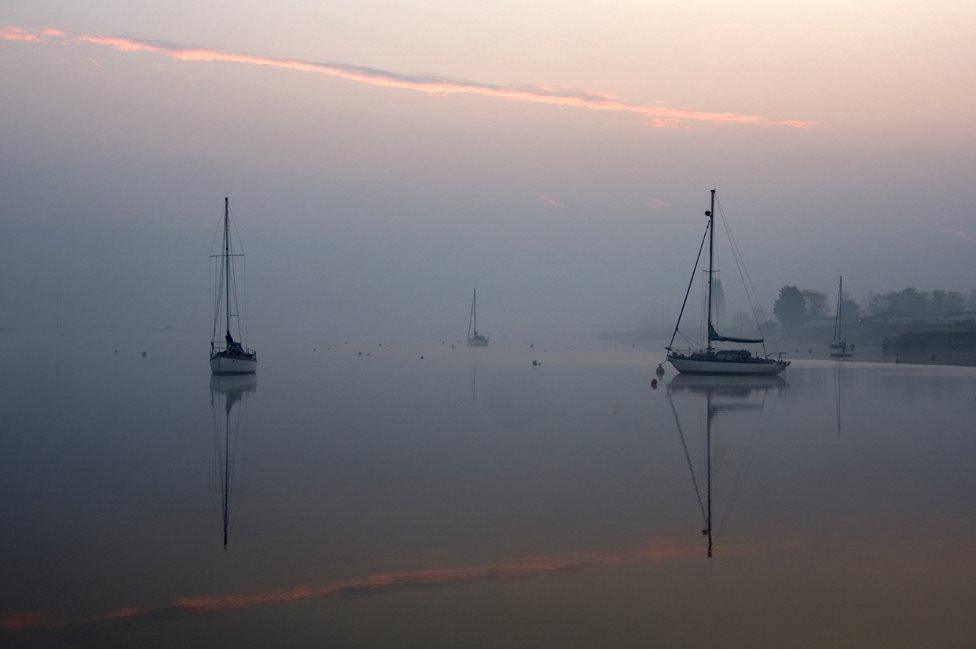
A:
(800, 314)
(796, 308)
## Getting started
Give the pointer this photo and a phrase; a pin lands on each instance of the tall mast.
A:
(840, 305)
(227, 258)
(474, 309)
(711, 255)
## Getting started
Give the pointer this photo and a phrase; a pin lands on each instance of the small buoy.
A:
(144, 354)
(660, 370)
(453, 347)
(421, 358)
(654, 384)
(532, 346)
(315, 349)
(360, 353)
(116, 351)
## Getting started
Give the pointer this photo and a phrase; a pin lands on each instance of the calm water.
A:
(471, 499)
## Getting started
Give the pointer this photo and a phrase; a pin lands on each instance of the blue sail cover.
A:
(716, 336)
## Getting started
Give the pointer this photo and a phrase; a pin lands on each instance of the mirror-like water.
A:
(470, 499)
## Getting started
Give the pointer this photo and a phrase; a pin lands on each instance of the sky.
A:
(384, 159)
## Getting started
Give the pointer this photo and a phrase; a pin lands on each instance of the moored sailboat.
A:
(711, 360)
(227, 354)
(475, 339)
(839, 348)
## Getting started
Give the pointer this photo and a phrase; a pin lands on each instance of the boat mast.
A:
(474, 309)
(227, 259)
(840, 307)
(711, 254)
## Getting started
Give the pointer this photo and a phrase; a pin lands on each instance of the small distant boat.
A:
(710, 360)
(475, 339)
(228, 355)
(839, 348)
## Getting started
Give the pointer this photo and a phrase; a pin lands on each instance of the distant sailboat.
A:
(475, 339)
(711, 360)
(839, 347)
(227, 355)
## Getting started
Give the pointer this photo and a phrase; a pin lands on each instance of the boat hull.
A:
(762, 367)
(478, 341)
(220, 364)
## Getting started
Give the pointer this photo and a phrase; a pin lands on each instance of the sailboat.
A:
(228, 355)
(839, 347)
(711, 360)
(475, 339)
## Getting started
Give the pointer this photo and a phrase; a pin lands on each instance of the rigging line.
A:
(241, 310)
(688, 339)
(214, 278)
(751, 285)
(704, 308)
(755, 306)
(218, 296)
(691, 468)
(691, 281)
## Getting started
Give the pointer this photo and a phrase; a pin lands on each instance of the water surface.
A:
(371, 497)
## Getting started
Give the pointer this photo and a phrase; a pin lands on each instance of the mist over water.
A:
(378, 482)
(387, 499)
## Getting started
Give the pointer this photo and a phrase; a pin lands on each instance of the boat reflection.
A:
(228, 405)
(719, 395)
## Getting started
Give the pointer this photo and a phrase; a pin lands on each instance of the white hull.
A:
(689, 366)
(225, 365)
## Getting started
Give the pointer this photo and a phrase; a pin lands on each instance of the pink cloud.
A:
(656, 114)
(12, 33)
(549, 200)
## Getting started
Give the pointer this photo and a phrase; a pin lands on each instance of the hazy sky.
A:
(383, 159)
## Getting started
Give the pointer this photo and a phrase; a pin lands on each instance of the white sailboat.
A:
(227, 354)
(839, 348)
(475, 339)
(711, 360)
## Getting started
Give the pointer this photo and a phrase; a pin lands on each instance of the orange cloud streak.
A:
(11, 33)
(549, 200)
(372, 584)
(655, 115)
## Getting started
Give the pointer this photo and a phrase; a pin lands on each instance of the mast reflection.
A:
(228, 405)
(719, 394)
